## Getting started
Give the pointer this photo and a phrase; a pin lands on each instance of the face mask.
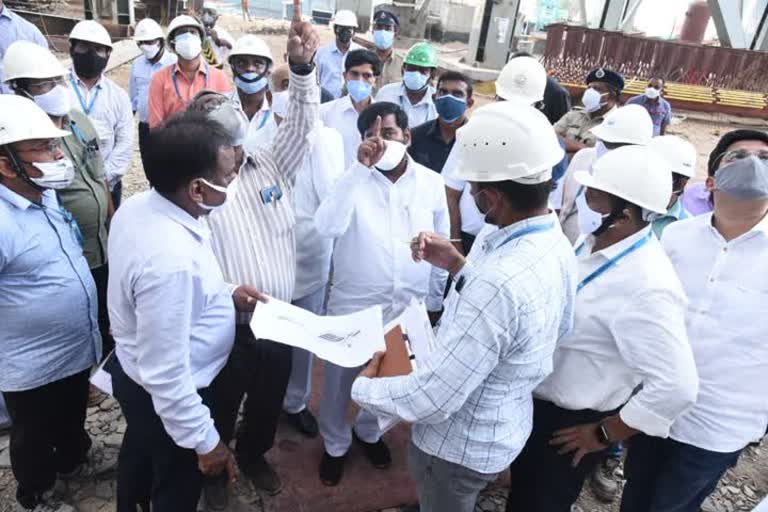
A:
(744, 179)
(414, 81)
(251, 83)
(208, 20)
(150, 51)
(600, 149)
(280, 103)
(54, 102)
(344, 35)
(592, 100)
(188, 46)
(383, 39)
(589, 219)
(88, 65)
(230, 192)
(56, 175)
(359, 90)
(483, 208)
(652, 93)
(393, 155)
(450, 108)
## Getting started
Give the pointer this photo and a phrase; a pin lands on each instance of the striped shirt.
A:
(253, 237)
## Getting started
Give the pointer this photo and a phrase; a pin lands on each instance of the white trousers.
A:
(300, 382)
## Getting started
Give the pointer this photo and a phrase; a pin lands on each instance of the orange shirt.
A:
(170, 91)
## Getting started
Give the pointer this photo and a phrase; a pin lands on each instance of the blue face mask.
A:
(383, 39)
(359, 90)
(250, 83)
(414, 81)
(450, 108)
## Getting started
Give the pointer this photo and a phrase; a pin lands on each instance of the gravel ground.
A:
(740, 490)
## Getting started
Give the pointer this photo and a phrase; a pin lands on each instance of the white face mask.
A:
(230, 192)
(393, 155)
(652, 93)
(592, 100)
(56, 175)
(589, 219)
(55, 102)
(150, 51)
(280, 103)
(188, 46)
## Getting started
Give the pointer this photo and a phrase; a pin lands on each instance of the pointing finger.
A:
(297, 10)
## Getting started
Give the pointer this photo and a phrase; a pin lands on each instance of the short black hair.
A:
(658, 77)
(381, 108)
(522, 198)
(184, 148)
(455, 76)
(359, 57)
(727, 141)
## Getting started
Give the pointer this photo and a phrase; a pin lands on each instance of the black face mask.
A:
(89, 64)
(344, 35)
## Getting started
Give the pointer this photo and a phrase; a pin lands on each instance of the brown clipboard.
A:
(397, 360)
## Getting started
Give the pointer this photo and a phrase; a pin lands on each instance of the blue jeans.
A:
(664, 475)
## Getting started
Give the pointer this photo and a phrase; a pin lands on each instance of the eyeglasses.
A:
(52, 147)
(740, 154)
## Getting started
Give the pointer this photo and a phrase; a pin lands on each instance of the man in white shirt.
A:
(372, 212)
(172, 317)
(629, 331)
(105, 103)
(217, 42)
(361, 67)
(251, 63)
(150, 39)
(415, 93)
(330, 58)
(722, 264)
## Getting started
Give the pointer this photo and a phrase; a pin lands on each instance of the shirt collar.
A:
(5, 12)
(22, 203)
(203, 68)
(425, 100)
(614, 250)
(173, 212)
(676, 211)
(761, 226)
(98, 85)
(497, 238)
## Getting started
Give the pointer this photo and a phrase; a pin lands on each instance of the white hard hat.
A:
(91, 32)
(148, 30)
(507, 140)
(524, 78)
(25, 59)
(679, 154)
(184, 20)
(634, 173)
(21, 119)
(345, 18)
(253, 46)
(629, 124)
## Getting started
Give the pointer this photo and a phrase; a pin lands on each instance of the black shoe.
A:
(305, 422)
(331, 469)
(378, 453)
(264, 477)
(215, 494)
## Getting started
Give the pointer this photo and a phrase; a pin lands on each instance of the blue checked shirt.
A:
(470, 401)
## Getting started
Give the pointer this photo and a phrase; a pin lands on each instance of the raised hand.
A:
(303, 39)
(372, 148)
(438, 251)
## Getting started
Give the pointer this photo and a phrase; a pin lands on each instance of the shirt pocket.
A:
(280, 216)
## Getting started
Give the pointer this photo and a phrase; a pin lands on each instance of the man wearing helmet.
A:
(330, 58)
(47, 305)
(414, 93)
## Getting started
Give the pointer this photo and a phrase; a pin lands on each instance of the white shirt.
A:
(419, 113)
(472, 221)
(321, 167)
(727, 287)
(141, 74)
(341, 115)
(629, 330)
(171, 313)
(373, 221)
(262, 128)
(572, 197)
(109, 108)
(330, 67)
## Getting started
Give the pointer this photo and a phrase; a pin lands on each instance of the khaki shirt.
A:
(577, 124)
(86, 197)
(391, 71)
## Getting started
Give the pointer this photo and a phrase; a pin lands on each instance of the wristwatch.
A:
(302, 69)
(602, 434)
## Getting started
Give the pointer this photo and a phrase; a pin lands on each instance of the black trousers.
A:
(542, 480)
(151, 467)
(259, 369)
(143, 138)
(100, 277)
(117, 194)
(48, 434)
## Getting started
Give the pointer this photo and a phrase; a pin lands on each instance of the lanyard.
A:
(264, 119)
(537, 228)
(611, 262)
(87, 109)
(176, 82)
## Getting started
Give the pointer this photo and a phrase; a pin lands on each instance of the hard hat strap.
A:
(18, 168)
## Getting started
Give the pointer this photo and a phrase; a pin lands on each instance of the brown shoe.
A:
(264, 477)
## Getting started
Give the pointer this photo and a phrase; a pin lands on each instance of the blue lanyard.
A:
(264, 119)
(176, 82)
(537, 228)
(87, 109)
(611, 262)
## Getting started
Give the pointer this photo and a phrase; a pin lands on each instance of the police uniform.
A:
(577, 123)
(391, 69)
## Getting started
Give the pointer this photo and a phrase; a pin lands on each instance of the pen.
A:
(454, 240)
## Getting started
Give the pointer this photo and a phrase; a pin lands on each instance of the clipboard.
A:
(397, 358)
